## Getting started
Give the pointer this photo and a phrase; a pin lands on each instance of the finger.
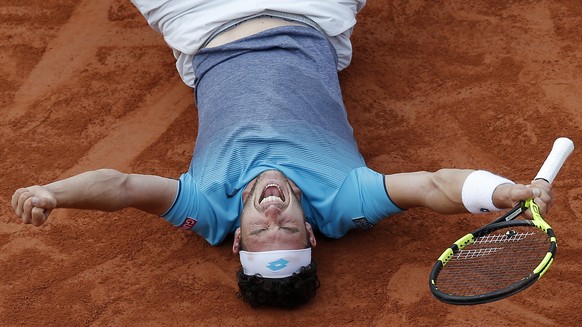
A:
(22, 197)
(520, 192)
(545, 202)
(26, 209)
(38, 216)
(44, 202)
(543, 194)
(16, 196)
(542, 206)
(542, 184)
(533, 192)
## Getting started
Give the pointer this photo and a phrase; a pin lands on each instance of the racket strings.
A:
(487, 240)
(503, 238)
(494, 261)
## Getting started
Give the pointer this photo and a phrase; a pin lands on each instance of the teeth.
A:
(271, 198)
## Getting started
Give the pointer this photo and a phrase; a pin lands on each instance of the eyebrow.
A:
(290, 230)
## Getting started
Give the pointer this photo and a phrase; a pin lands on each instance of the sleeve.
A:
(192, 211)
(361, 202)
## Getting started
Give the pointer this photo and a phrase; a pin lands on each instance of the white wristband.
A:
(477, 192)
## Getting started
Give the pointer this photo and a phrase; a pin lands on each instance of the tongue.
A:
(272, 191)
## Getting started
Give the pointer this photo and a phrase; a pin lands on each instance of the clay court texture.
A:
(88, 84)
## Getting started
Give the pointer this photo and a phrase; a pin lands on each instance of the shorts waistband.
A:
(267, 13)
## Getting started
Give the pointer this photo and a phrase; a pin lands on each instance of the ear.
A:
(310, 234)
(236, 243)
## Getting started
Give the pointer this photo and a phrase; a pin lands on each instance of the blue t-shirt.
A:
(273, 101)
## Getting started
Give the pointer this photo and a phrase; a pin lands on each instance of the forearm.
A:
(445, 189)
(482, 191)
(104, 189)
(99, 190)
(439, 191)
(450, 191)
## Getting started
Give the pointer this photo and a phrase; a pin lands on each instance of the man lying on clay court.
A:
(275, 157)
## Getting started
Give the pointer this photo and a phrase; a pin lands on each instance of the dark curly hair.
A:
(289, 292)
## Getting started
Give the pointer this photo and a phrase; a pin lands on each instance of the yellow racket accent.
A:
(543, 266)
(543, 225)
(537, 216)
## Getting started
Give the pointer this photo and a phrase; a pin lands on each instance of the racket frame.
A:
(507, 220)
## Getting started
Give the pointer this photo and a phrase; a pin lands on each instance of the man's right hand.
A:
(33, 204)
(102, 189)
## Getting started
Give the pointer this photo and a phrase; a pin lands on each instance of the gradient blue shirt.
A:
(273, 101)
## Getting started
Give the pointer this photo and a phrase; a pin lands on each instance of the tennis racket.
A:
(503, 257)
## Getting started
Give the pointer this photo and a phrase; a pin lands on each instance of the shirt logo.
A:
(188, 223)
(278, 264)
(362, 223)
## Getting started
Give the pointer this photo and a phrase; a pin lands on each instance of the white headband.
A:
(274, 264)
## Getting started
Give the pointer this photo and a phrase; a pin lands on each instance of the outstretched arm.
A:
(441, 191)
(104, 189)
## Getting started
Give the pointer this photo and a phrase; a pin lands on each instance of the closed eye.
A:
(258, 231)
(290, 230)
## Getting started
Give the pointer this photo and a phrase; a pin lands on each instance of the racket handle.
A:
(562, 148)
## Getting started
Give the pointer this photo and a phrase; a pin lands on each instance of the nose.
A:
(273, 212)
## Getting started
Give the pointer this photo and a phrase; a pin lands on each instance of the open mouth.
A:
(272, 194)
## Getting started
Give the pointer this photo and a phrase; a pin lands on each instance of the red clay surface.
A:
(87, 84)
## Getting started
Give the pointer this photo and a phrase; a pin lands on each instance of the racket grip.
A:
(562, 148)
